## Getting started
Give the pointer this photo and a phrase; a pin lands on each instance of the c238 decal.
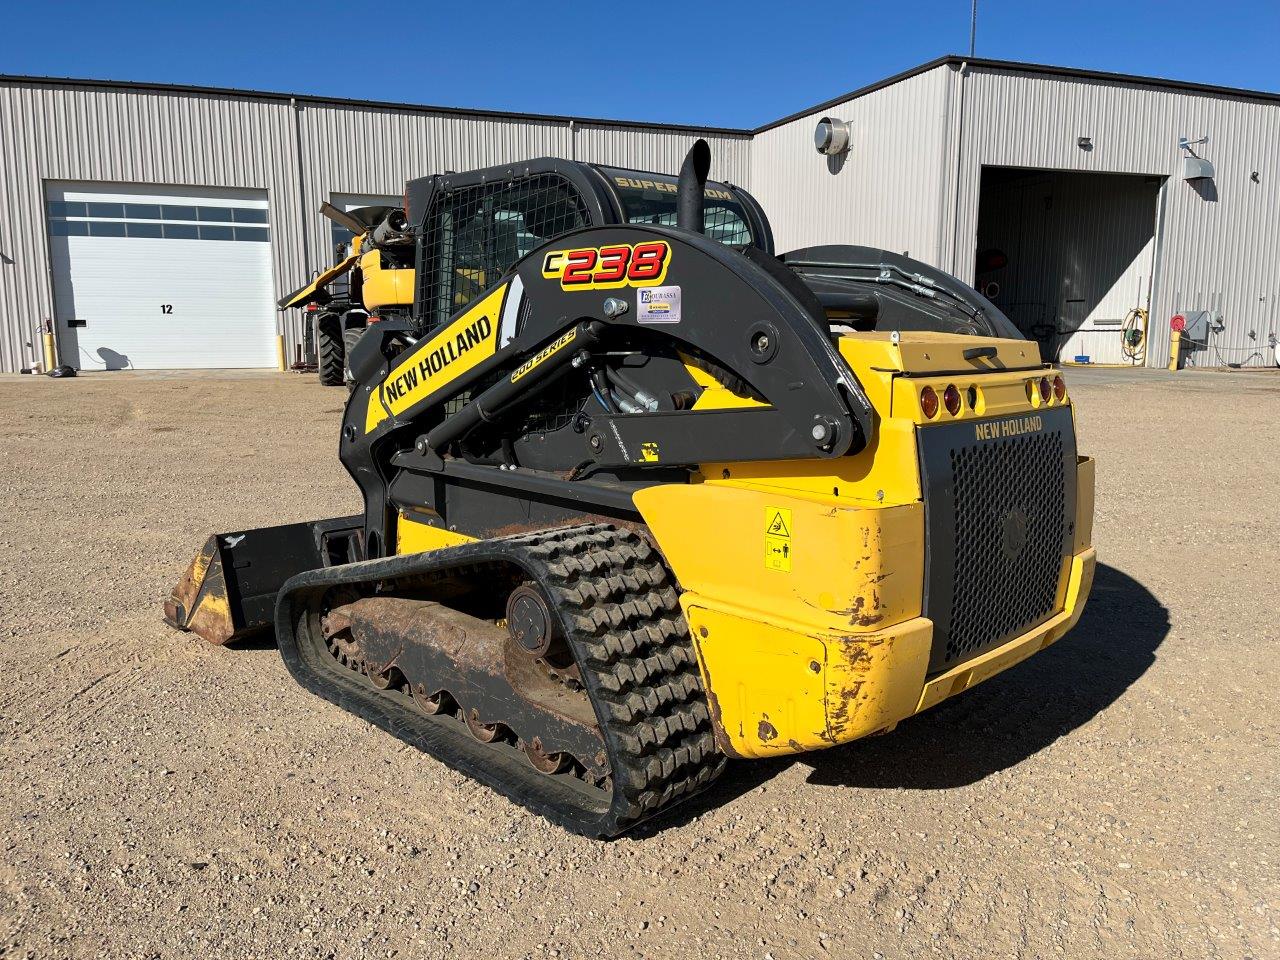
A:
(610, 267)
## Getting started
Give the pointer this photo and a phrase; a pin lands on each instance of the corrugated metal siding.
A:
(1217, 248)
(911, 182)
(130, 137)
(663, 152)
(885, 192)
(127, 135)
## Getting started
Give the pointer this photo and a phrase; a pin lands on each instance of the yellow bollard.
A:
(50, 351)
(280, 353)
(1175, 338)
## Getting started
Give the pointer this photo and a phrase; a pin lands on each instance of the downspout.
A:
(302, 210)
(573, 139)
(944, 160)
(302, 181)
(955, 187)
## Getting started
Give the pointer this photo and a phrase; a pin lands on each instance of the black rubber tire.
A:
(331, 354)
(349, 337)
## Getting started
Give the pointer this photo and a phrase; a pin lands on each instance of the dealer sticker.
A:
(658, 305)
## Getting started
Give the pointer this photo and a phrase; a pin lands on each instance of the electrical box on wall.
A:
(1197, 328)
(1193, 168)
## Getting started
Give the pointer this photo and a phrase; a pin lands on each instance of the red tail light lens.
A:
(929, 402)
(1059, 389)
(1046, 390)
(312, 307)
(951, 399)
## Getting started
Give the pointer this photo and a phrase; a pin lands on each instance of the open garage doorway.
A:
(1067, 256)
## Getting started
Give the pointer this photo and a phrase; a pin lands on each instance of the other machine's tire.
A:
(331, 351)
(349, 337)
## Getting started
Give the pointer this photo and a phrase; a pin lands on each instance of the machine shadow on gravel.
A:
(1012, 716)
(996, 725)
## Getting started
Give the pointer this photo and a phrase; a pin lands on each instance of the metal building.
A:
(156, 225)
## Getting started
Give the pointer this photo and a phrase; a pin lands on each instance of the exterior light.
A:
(831, 137)
(929, 402)
(951, 399)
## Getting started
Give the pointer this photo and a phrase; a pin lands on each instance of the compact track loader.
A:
(372, 278)
(641, 496)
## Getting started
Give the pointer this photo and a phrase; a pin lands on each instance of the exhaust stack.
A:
(693, 182)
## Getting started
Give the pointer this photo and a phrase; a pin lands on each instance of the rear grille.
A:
(999, 514)
(1008, 503)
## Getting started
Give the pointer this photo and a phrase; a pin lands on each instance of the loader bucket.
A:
(229, 590)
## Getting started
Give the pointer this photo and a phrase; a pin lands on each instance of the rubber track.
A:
(621, 615)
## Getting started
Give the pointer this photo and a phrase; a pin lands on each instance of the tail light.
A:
(312, 307)
(1059, 389)
(1046, 390)
(951, 399)
(929, 402)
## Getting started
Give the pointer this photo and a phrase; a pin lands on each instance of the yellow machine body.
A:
(383, 286)
(807, 612)
(380, 283)
(803, 581)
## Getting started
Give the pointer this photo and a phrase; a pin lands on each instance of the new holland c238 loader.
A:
(641, 496)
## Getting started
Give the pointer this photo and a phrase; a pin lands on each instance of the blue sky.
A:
(720, 64)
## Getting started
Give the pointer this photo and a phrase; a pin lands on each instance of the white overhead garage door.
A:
(149, 277)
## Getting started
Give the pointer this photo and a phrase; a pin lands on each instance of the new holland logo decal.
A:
(471, 339)
(475, 334)
(995, 429)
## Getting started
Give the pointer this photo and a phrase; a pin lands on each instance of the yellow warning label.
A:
(777, 539)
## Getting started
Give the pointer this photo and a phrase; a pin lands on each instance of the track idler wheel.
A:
(532, 625)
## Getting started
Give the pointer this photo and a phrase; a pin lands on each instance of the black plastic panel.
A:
(999, 514)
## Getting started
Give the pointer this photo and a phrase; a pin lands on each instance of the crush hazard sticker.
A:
(658, 305)
(777, 539)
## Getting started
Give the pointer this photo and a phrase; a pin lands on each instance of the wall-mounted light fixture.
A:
(831, 137)
(1194, 167)
(1084, 143)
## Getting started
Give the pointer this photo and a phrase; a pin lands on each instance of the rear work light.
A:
(951, 399)
(929, 402)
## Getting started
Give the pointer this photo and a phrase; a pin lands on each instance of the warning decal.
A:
(777, 539)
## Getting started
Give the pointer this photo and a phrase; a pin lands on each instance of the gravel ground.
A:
(1113, 796)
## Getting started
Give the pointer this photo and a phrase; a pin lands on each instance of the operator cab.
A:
(473, 227)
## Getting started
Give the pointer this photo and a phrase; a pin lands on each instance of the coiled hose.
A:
(1133, 335)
